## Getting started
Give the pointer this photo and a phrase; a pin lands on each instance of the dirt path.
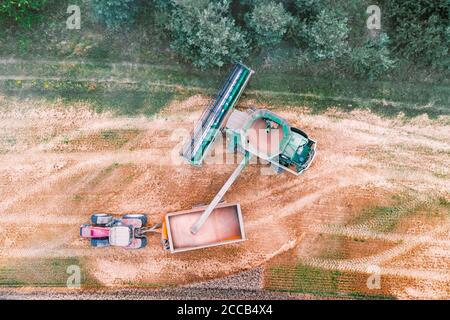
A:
(52, 187)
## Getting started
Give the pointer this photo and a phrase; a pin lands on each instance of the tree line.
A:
(328, 33)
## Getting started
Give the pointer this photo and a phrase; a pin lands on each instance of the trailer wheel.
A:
(139, 216)
(100, 243)
(165, 244)
(101, 218)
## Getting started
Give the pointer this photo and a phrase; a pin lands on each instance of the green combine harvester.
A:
(256, 132)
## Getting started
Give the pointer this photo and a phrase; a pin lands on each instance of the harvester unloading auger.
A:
(256, 132)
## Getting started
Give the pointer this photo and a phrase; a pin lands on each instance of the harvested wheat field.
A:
(376, 202)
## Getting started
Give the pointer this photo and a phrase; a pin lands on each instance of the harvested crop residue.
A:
(58, 165)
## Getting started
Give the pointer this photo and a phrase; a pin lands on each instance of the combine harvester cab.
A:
(213, 118)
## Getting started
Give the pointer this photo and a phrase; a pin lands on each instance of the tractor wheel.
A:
(100, 243)
(139, 216)
(101, 218)
(143, 242)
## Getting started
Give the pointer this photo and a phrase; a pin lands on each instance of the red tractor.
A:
(105, 230)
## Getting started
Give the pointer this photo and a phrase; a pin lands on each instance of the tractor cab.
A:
(121, 235)
(126, 232)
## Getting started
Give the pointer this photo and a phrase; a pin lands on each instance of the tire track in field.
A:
(365, 264)
(92, 162)
(348, 266)
(363, 232)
